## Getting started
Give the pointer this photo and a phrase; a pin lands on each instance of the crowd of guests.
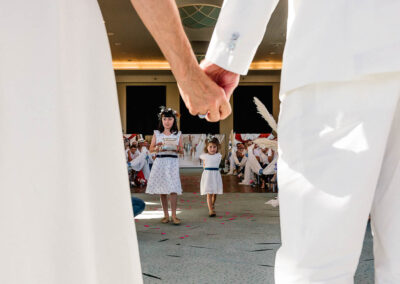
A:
(139, 161)
(253, 165)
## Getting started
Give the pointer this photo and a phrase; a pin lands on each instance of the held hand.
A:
(201, 95)
(225, 79)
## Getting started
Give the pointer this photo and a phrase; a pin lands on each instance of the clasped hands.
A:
(206, 89)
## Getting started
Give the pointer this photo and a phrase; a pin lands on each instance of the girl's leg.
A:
(209, 203)
(174, 202)
(164, 203)
(214, 198)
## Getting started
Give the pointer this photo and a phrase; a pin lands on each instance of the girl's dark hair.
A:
(213, 140)
(167, 112)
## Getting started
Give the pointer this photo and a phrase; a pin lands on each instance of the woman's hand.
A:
(202, 95)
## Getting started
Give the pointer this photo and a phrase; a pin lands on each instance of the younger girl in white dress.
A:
(164, 176)
(211, 181)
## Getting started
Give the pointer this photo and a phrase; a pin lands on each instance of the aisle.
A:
(190, 178)
(238, 246)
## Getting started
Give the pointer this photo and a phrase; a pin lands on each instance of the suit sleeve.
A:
(239, 31)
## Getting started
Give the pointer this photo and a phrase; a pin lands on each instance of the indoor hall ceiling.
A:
(131, 42)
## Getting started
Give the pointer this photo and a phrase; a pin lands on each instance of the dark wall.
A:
(246, 119)
(195, 125)
(142, 107)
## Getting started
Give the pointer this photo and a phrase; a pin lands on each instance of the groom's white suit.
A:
(339, 130)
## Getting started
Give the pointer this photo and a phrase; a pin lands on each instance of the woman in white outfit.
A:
(63, 218)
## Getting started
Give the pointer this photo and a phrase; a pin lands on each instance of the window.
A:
(246, 119)
(142, 107)
(195, 125)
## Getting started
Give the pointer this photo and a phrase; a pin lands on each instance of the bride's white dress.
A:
(65, 211)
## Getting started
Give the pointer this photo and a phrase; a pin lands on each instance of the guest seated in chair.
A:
(238, 160)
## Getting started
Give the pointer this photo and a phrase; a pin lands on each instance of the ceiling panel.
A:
(130, 40)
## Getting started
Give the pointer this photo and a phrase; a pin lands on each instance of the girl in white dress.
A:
(164, 176)
(211, 181)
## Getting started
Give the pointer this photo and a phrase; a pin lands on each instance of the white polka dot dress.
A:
(164, 176)
(211, 180)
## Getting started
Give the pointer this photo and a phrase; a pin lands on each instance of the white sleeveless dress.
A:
(164, 176)
(211, 180)
(65, 210)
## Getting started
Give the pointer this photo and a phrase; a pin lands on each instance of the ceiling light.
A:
(141, 65)
(164, 65)
(262, 65)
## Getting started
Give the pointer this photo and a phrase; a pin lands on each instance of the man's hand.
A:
(225, 79)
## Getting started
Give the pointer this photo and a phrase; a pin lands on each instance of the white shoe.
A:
(273, 202)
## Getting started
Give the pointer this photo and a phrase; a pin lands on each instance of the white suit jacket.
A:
(327, 40)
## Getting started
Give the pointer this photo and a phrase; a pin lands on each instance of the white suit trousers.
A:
(339, 153)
